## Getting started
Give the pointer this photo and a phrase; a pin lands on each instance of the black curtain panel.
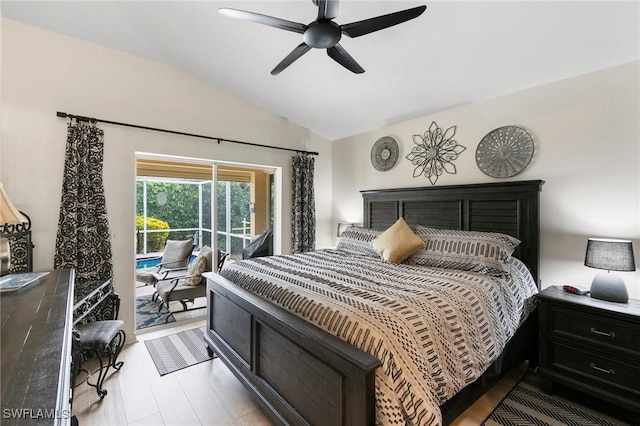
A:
(303, 220)
(83, 240)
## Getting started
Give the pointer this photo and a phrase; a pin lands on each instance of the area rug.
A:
(177, 351)
(528, 404)
(148, 315)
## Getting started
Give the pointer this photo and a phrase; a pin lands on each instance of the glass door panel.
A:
(234, 217)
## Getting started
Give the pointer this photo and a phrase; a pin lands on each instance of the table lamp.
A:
(9, 217)
(612, 255)
(342, 226)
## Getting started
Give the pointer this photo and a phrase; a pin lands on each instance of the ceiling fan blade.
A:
(327, 9)
(356, 29)
(338, 54)
(264, 19)
(300, 50)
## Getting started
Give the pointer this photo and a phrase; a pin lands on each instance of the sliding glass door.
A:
(234, 217)
(172, 209)
(175, 200)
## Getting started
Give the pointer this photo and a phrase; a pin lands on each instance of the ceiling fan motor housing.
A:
(322, 34)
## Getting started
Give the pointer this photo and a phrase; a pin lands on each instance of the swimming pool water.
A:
(153, 261)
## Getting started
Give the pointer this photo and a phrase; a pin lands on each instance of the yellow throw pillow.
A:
(397, 243)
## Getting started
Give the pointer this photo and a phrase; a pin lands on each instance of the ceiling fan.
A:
(323, 33)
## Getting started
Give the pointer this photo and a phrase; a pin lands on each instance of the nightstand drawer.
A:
(605, 369)
(588, 326)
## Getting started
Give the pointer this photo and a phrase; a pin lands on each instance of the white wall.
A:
(587, 148)
(44, 72)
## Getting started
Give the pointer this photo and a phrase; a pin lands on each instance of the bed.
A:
(302, 374)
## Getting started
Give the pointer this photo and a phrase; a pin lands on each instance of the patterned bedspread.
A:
(434, 330)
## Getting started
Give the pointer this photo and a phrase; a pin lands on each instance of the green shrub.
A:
(155, 240)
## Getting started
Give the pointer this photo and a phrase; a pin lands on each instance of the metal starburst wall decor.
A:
(434, 153)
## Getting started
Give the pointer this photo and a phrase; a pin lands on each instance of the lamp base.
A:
(5, 256)
(609, 287)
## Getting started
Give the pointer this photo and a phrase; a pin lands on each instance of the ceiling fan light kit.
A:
(323, 33)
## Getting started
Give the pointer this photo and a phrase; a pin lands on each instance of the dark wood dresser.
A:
(590, 345)
(36, 351)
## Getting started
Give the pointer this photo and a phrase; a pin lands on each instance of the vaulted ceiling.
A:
(455, 53)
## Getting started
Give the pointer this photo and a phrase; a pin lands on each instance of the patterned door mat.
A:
(148, 313)
(528, 404)
(179, 350)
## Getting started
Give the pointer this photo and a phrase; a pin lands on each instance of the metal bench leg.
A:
(111, 352)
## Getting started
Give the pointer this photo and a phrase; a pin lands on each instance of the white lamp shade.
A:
(9, 214)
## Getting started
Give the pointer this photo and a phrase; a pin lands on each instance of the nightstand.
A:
(590, 345)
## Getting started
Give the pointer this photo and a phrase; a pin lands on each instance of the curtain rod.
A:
(175, 132)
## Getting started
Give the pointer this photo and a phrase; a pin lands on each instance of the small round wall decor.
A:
(384, 153)
(504, 152)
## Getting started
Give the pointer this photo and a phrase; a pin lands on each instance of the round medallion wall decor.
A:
(504, 152)
(384, 153)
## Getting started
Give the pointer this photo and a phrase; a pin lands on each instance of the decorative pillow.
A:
(207, 252)
(196, 268)
(397, 243)
(356, 240)
(176, 253)
(483, 252)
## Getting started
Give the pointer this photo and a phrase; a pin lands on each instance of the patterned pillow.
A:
(196, 268)
(356, 240)
(483, 252)
(397, 243)
(207, 252)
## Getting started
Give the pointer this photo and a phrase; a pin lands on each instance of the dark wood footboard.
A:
(300, 373)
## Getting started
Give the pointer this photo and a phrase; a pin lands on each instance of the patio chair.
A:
(193, 285)
(175, 259)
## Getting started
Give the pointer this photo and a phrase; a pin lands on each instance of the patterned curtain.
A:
(83, 240)
(303, 221)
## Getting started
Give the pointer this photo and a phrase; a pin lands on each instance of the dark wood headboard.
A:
(511, 208)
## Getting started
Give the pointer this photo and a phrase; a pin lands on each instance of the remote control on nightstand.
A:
(575, 290)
